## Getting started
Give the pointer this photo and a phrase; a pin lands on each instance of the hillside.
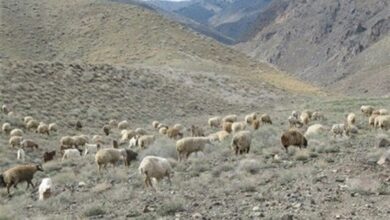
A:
(321, 41)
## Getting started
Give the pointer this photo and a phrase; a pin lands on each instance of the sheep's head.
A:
(130, 156)
(39, 167)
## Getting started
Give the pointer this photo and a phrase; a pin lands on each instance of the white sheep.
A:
(91, 149)
(27, 119)
(351, 119)
(141, 131)
(304, 117)
(219, 136)
(179, 127)
(106, 156)
(295, 114)
(97, 139)
(318, 116)
(123, 125)
(153, 167)
(45, 188)
(146, 140)
(249, 118)
(230, 118)
(133, 142)
(113, 123)
(294, 122)
(16, 132)
(43, 128)
(241, 142)
(6, 127)
(5, 109)
(21, 155)
(338, 129)
(238, 126)
(71, 154)
(316, 129)
(383, 111)
(53, 127)
(382, 121)
(188, 145)
(127, 135)
(15, 141)
(155, 124)
(215, 122)
(366, 110)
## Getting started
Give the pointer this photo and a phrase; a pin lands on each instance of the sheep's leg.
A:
(169, 179)
(9, 186)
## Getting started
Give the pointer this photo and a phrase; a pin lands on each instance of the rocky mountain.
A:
(325, 42)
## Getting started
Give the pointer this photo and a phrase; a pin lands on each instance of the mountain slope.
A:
(319, 40)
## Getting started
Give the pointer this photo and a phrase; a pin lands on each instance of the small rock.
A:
(82, 184)
(256, 208)
(297, 205)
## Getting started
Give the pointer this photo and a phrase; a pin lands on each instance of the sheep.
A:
(91, 148)
(250, 118)
(266, 119)
(106, 130)
(67, 141)
(6, 128)
(338, 129)
(97, 139)
(111, 155)
(230, 118)
(15, 141)
(162, 126)
(21, 155)
(308, 112)
(163, 130)
(127, 135)
(43, 129)
(295, 114)
(20, 173)
(293, 137)
(27, 143)
(294, 122)
(5, 109)
(238, 126)
(220, 135)
(79, 125)
(315, 129)
(145, 140)
(366, 110)
(180, 127)
(304, 117)
(197, 131)
(48, 156)
(133, 142)
(27, 119)
(351, 118)
(351, 129)
(241, 142)
(113, 123)
(215, 122)
(45, 188)
(256, 124)
(174, 133)
(227, 126)
(318, 116)
(155, 124)
(188, 145)
(380, 112)
(16, 132)
(53, 127)
(141, 131)
(80, 140)
(123, 125)
(371, 120)
(71, 154)
(32, 125)
(155, 167)
(382, 121)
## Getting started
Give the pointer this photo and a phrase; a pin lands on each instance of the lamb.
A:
(197, 131)
(238, 126)
(91, 148)
(71, 154)
(21, 155)
(111, 155)
(351, 118)
(256, 124)
(294, 122)
(371, 120)
(5, 109)
(366, 110)
(32, 125)
(145, 140)
(316, 129)
(155, 167)
(43, 129)
(20, 173)
(382, 121)
(15, 141)
(338, 129)
(304, 118)
(163, 130)
(174, 133)
(45, 188)
(188, 145)
(215, 122)
(16, 132)
(53, 127)
(250, 118)
(220, 135)
(106, 130)
(141, 131)
(230, 118)
(6, 128)
(241, 142)
(266, 119)
(227, 126)
(293, 137)
(48, 156)
(123, 125)
(155, 124)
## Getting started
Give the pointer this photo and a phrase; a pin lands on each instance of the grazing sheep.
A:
(382, 121)
(113, 123)
(316, 129)
(155, 167)
(91, 149)
(293, 137)
(32, 125)
(227, 126)
(110, 155)
(27, 119)
(366, 110)
(318, 116)
(67, 141)
(43, 129)
(241, 142)
(27, 143)
(266, 119)
(382, 112)
(304, 118)
(130, 156)
(145, 140)
(338, 129)
(5, 109)
(141, 131)
(371, 120)
(174, 133)
(162, 126)
(197, 131)
(15, 141)
(133, 142)
(188, 145)
(238, 126)
(16, 132)
(97, 139)
(256, 124)
(53, 127)
(215, 122)
(351, 118)
(106, 130)
(6, 128)
(294, 122)
(80, 140)
(180, 127)
(45, 188)
(163, 130)
(48, 156)
(123, 125)
(155, 124)
(219, 135)
(20, 173)
(79, 125)
(230, 118)
(71, 154)
(351, 129)
(127, 135)
(250, 118)
(21, 155)
(308, 112)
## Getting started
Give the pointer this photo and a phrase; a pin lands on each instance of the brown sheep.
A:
(241, 142)
(29, 144)
(106, 130)
(43, 129)
(48, 156)
(293, 137)
(32, 125)
(20, 173)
